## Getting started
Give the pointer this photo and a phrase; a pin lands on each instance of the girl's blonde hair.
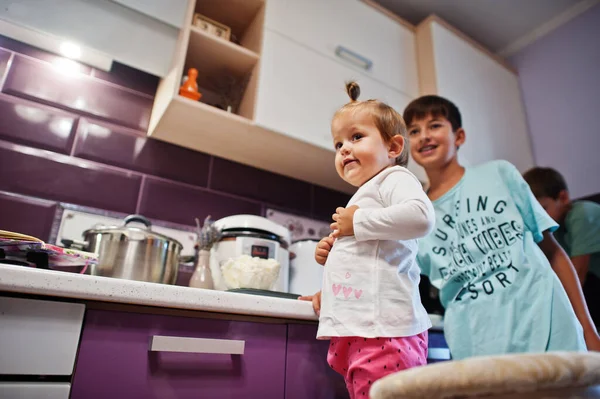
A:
(389, 122)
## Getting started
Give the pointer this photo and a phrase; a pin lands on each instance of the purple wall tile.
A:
(260, 185)
(130, 149)
(58, 177)
(125, 76)
(34, 79)
(118, 104)
(4, 58)
(325, 202)
(561, 90)
(26, 122)
(181, 204)
(26, 215)
(25, 49)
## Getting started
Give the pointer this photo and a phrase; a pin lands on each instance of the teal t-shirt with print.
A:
(580, 234)
(499, 290)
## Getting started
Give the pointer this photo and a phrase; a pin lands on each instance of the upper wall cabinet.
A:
(300, 90)
(267, 98)
(484, 88)
(352, 33)
(143, 38)
(171, 12)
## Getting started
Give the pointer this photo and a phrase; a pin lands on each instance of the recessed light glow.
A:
(70, 50)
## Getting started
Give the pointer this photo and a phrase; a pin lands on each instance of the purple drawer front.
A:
(115, 362)
(308, 376)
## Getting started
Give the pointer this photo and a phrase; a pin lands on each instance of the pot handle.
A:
(138, 218)
(75, 244)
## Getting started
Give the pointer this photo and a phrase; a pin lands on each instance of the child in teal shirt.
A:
(490, 250)
(579, 231)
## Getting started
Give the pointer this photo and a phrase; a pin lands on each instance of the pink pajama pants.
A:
(362, 361)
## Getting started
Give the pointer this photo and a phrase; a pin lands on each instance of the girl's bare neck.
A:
(442, 180)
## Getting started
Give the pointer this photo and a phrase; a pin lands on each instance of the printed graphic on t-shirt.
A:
(475, 250)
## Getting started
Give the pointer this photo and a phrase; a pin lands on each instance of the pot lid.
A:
(253, 222)
(145, 230)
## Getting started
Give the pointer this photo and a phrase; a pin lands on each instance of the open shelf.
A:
(224, 71)
(244, 17)
(214, 57)
(228, 72)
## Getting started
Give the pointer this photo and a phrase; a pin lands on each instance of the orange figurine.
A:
(189, 89)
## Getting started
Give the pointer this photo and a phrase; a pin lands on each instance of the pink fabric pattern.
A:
(362, 361)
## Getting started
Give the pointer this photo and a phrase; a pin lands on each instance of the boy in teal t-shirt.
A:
(579, 231)
(490, 250)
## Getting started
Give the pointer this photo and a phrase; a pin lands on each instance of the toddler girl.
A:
(371, 309)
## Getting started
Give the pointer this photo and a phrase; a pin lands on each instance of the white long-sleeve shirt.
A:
(371, 280)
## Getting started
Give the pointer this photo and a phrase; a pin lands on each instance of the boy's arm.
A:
(563, 268)
(408, 213)
(581, 264)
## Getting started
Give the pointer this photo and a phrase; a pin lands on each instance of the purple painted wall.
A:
(79, 137)
(560, 80)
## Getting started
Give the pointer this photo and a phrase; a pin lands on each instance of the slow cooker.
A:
(254, 236)
(306, 275)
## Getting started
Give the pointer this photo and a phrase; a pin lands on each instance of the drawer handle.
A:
(353, 57)
(161, 343)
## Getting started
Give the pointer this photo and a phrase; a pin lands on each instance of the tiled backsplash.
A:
(77, 135)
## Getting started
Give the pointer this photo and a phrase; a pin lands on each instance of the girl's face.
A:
(433, 143)
(361, 152)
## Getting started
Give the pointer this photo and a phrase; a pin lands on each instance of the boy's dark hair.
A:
(435, 106)
(545, 182)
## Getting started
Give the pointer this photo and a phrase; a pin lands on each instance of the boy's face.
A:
(433, 143)
(556, 208)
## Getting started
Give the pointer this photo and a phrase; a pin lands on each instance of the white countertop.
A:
(59, 284)
(71, 285)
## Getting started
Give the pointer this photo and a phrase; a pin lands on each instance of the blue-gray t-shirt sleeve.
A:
(534, 216)
(583, 228)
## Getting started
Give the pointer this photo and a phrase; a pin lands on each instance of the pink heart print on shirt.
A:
(357, 293)
(347, 292)
(336, 289)
(347, 275)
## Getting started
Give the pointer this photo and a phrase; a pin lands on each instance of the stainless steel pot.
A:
(134, 253)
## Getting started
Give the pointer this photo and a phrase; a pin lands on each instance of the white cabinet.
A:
(34, 390)
(38, 337)
(288, 77)
(485, 90)
(171, 12)
(130, 37)
(300, 90)
(323, 25)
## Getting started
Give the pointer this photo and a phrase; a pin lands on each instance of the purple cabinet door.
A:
(307, 374)
(114, 360)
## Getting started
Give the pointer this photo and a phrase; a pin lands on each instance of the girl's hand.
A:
(316, 301)
(343, 224)
(323, 249)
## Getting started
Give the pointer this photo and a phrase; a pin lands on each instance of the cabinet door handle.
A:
(162, 343)
(353, 57)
